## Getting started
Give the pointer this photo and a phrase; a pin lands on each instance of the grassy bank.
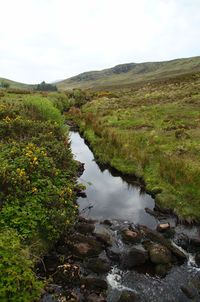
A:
(152, 131)
(37, 181)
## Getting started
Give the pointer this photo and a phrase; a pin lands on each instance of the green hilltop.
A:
(17, 85)
(125, 74)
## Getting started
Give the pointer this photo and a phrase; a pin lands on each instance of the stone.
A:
(104, 238)
(195, 283)
(113, 253)
(162, 269)
(85, 228)
(157, 237)
(187, 292)
(197, 259)
(84, 246)
(129, 297)
(159, 254)
(95, 298)
(107, 222)
(94, 283)
(131, 236)
(135, 257)
(162, 227)
(98, 265)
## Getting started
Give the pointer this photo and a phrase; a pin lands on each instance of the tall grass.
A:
(43, 109)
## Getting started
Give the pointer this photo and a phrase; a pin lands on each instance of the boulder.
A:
(103, 235)
(159, 254)
(94, 298)
(197, 259)
(135, 257)
(162, 269)
(157, 237)
(84, 246)
(94, 283)
(98, 265)
(163, 227)
(107, 222)
(85, 228)
(129, 297)
(131, 237)
(113, 253)
(187, 292)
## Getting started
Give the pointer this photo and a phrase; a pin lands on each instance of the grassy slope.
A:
(152, 131)
(131, 73)
(17, 85)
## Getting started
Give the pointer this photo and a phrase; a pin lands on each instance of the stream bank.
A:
(114, 257)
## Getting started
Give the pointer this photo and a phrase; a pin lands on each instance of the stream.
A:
(119, 199)
(109, 196)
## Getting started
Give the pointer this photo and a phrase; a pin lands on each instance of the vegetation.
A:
(37, 180)
(126, 74)
(4, 84)
(151, 131)
(45, 87)
(17, 85)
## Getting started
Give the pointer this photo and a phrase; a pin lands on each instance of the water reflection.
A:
(110, 195)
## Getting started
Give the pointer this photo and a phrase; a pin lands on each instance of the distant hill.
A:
(17, 85)
(131, 73)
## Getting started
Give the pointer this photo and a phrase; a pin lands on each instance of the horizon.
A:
(56, 81)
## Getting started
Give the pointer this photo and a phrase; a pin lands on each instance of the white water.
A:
(114, 280)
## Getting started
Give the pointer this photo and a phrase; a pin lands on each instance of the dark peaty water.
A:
(109, 196)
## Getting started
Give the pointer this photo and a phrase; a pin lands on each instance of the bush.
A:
(17, 279)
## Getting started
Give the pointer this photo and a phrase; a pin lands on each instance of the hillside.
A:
(17, 85)
(131, 73)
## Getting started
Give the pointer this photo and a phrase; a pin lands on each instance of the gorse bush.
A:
(37, 200)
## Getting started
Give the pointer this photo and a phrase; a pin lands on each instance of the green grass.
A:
(152, 131)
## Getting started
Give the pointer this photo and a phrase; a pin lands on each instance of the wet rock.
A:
(107, 222)
(195, 243)
(162, 269)
(103, 236)
(157, 237)
(131, 236)
(99, 265)
(86, 220)
(135, 257)
(159, 254)
(129, 297)
(162, 227)
(85, 228)
(94, 283)
(80, 168)
(94, 298)
(195, 283)
(113, 253)
(156, 214)
(183, 241)
(84, 246)
(197, 259)
(187, 292)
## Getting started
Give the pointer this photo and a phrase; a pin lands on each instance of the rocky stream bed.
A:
(150, 257)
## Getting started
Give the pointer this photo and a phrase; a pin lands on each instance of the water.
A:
(109, 196)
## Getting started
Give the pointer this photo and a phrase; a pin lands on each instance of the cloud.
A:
(48, 39)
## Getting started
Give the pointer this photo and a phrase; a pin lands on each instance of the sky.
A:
(49, 40)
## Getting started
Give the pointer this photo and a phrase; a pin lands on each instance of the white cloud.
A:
(50, 39)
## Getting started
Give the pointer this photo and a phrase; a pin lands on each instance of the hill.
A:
(17, 85)
(131, 73)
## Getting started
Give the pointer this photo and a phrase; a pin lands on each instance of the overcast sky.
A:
(55, 39)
